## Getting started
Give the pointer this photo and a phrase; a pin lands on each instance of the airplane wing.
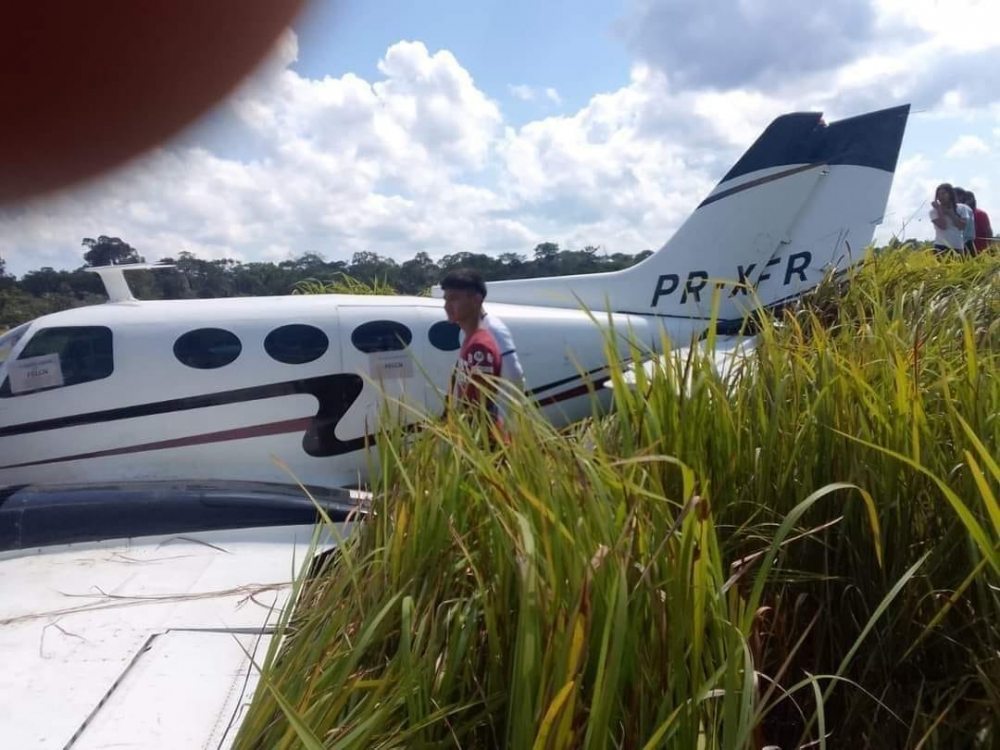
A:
(142, 634)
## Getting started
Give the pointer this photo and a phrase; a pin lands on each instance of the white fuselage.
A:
(154, 417)
(213, 389)
(178, 532)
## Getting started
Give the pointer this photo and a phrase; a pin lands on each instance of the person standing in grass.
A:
(948, 223)
(511, 364)
(479, 357)
(984, 231)
(965, 211)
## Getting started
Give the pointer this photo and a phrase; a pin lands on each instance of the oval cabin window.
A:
(444, 336)
(381, 336)
(207, 348)
(296, 344)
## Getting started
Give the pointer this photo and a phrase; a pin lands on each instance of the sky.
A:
(442, 126)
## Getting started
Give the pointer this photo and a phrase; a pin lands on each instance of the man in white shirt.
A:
(511, 369)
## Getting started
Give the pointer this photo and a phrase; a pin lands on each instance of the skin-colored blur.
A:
(87, 86)
(463, 308)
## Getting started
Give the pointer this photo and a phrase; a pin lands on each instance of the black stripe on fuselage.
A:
(331, 390)
(335, 393)
(564, 381)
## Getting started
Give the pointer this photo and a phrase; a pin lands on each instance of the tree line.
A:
(47, 290)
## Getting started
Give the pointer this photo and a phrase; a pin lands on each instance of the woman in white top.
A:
(948, 224)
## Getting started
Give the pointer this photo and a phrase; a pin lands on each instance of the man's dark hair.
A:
(970, 199)
(465, 280)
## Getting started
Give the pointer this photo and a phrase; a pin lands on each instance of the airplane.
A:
(207, 389)
(148, 541)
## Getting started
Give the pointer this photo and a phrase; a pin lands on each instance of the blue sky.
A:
(442, 126)
(568, 45)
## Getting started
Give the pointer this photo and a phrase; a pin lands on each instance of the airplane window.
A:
(444, 336)
(381, 336)
(9, 340)
(207, 348)
(84, 354)
(296, 344)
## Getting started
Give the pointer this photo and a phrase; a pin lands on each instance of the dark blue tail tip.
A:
(872, 140)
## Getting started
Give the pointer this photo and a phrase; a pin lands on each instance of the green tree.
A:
(487, 265)
(307, 263)
(173, 284)
(105, 251)
(418, 274)
(207, 278)
(367, 266)
(7, 281)
(46, 280)
(546, 261)
(46, 290)
(546, 251)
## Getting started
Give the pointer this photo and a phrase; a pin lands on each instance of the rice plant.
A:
(804, 551)
(343, 283)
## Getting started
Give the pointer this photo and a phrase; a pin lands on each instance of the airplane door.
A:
(385, 346)
(441, 353)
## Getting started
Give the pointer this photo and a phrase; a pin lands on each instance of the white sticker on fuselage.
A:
(35, 373)
(390, 365)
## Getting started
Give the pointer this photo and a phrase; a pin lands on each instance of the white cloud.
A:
(967, 145)
(528, 94)
(952, 25)
(622, 172)
(854, 55)
(417, 160)
(731, 43)
(906, 216)
(346, 165)
(420, 158)
(522, 91)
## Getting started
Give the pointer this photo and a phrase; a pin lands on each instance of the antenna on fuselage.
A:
(115, 284)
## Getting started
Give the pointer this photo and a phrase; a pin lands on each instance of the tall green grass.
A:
(343, 283)
(805, 551)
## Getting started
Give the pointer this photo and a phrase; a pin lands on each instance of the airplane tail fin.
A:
(805, 198)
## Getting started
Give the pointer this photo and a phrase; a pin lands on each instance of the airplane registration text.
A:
(669, 283)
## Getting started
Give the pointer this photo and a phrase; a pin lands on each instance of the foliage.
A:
(803, 551)
(344, 284)
(106, 251)
(18, 306)
(6, 281)
(48, 290)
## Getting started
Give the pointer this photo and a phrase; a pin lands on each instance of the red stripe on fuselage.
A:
(262, 430)
(580, 390)
(240, 433)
